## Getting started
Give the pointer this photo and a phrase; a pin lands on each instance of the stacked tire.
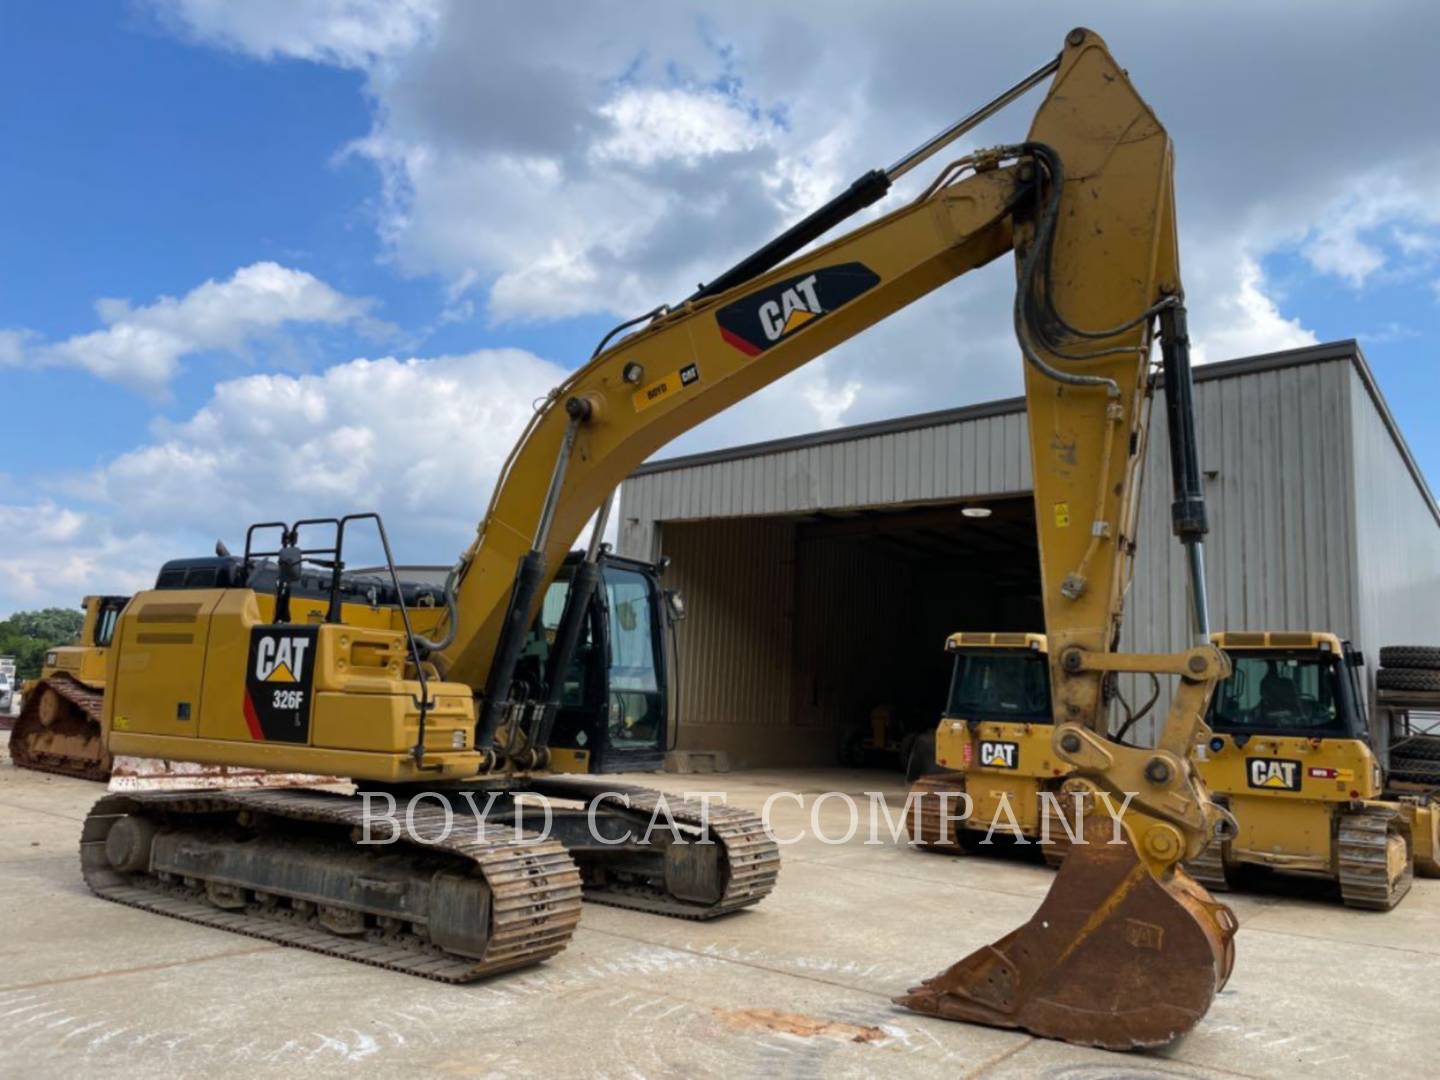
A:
(1409, 667)
(1412, 669)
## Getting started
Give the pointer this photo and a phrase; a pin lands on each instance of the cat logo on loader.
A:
(1279, 773)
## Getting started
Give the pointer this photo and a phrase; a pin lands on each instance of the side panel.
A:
(1290, 769)
(222, 714)
(159, 664)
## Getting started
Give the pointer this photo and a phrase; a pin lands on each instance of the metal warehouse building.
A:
(822, 573)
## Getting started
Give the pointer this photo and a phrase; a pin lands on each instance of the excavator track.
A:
(744, 868)
(58, 730)
(452, 905)
(1375, 866)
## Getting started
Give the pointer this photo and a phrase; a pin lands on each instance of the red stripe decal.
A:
(740, 343)
(252, 721)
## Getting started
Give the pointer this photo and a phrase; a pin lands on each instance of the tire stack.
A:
(1407, 670)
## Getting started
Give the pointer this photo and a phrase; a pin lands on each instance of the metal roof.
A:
(1347, 349)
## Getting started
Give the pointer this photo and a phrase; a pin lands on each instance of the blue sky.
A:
(439, 183)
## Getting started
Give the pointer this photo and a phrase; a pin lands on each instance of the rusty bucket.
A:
(1114, 957)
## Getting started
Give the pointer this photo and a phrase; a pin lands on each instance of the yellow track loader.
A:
(994, 745)
(1292, 759)
(58, 729)
(454, 732)
(1290, 756)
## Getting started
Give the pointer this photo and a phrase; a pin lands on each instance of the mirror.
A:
(674, 605)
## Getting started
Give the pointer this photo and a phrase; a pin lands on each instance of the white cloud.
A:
(417, 438)
(551, 160)
(351, 33)
(1244, 320)
(421, 441)
(53, 555)
(1350, 235)
(142, 347)
(659, 125)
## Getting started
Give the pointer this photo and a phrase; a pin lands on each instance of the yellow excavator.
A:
(58, 729)
(1125, 951)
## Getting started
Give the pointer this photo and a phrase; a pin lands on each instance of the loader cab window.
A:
(1276, 692)
(105, 620)
(1000, 684)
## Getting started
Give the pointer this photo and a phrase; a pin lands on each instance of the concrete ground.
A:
(800, 986)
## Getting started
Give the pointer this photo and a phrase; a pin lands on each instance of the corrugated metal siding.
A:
(1281, 532)
(988, 456)
(1397, 541)
(737, 578)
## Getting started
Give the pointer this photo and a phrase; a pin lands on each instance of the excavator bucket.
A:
(1114, 957)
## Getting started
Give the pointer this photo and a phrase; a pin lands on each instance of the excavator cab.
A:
(614, 709)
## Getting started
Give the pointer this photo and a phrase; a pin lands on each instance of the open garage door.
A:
(802, 626)
(877, 593)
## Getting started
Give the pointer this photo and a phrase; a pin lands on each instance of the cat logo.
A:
(770, 315)
(281, 659)
(1275, 773)
(663, 388)
(999, 755)
(278, 681)
(797, 306)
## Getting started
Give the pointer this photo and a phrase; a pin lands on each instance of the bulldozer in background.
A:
(1290, 754)
(59, 726)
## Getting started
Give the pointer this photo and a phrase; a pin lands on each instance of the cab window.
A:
(1001, 684)
(105, 626)
(1279, 692)
(552, 608)
(635, 708)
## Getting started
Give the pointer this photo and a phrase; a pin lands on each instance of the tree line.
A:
(28, 635)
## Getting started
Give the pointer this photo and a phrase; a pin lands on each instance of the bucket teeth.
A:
(1114, 957)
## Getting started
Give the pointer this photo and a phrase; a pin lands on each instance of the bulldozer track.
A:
(1364, 861)
(933, 831)
(1054, 828)
(534, 888)
(1208, 868)
(81, 718)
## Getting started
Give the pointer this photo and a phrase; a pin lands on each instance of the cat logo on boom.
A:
(770, 315)
(1279, 773)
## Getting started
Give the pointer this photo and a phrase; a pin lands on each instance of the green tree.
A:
(28, 635)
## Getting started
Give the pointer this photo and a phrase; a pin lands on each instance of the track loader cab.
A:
(85, 660)
(993, 743)
(1290, 755)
